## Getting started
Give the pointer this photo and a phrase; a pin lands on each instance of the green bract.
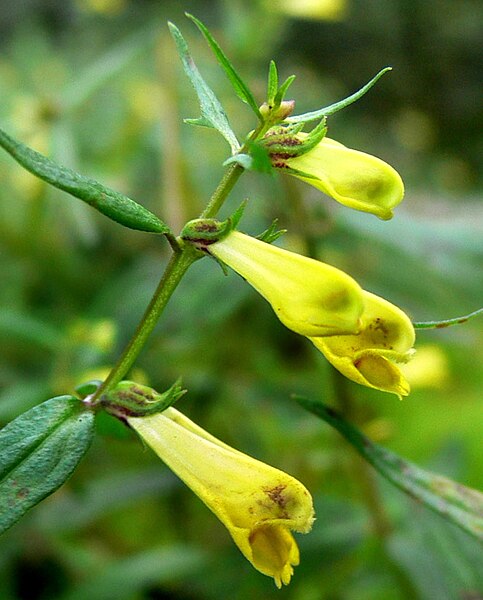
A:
(212, 113)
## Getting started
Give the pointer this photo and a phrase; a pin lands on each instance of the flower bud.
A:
(308, 296)
(278, 113)
(258, 504)
(353, 178)
(387, 337)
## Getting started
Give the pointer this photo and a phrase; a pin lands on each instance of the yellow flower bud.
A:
(308, 296)
(258, 504)
(353, 178)
(387, 337)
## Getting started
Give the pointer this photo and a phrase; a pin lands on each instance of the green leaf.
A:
(272, 87)
(457, 503)
(240, 87)
(447, 322)
(258, 159)
(280, 95)
(114, 205)
(39, 450)
(333, 108)
(441, 562)
(212, 113)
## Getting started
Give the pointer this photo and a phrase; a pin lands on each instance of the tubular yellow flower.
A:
(258, 504)
(353, 178)
(387, 337)
(308, 296)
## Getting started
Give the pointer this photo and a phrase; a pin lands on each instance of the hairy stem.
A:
(225, 186)
(175, 270)
(230, 178)
(182, 258)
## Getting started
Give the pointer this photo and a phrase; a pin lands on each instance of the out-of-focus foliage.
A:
(96, 85)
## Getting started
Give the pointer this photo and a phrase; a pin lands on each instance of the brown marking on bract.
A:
(204, 226)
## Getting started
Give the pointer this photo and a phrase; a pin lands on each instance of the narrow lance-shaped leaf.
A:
(280, 95)
(457, 503)
(212, 113)
(447, 322)
(272, 87)
(114, 205)
(240, 87)
(333, 108)
(39, 450)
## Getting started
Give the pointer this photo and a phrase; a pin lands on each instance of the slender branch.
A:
(176, 268)
(231, 176)
(182, 258)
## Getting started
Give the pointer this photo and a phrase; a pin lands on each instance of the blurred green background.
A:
(96, 85)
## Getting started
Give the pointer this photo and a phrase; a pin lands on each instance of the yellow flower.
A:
(387, 337)
(308, 296)
(258, 504)
(324, 10)
(353, 178)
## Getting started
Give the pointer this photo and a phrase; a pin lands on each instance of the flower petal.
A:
(355, 179)
(387, 337)
(257, 503)
(308, 296)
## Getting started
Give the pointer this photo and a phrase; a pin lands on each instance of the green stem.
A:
(231, 176)
(182, 258)
(177, 267)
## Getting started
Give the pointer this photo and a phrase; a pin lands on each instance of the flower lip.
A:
(370, 358)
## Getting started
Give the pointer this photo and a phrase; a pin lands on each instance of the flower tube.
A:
(355, 179)
(258, 504)
(308, 296)
(387, 337)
